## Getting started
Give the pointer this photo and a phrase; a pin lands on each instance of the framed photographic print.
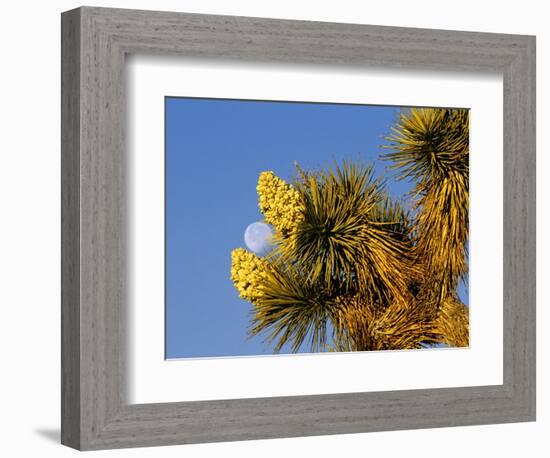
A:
(280, 228)
(328, 245)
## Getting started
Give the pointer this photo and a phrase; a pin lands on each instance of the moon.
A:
(257, 237)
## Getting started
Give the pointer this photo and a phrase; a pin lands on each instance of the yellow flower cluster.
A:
(247, 272)
(279, 202)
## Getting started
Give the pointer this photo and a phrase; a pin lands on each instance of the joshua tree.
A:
(347, 253)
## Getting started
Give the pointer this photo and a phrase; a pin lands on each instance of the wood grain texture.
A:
(95, 412)
(70, 229)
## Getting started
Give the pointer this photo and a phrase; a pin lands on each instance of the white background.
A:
(29, 234)
(155, 380)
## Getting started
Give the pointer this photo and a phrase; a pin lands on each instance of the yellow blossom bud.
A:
(279, 202)
(247, 272)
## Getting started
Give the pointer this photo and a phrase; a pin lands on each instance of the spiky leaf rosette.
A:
(431, 146)
(428, 143)
(292, 310)
(350, 237)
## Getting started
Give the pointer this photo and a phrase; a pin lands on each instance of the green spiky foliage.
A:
(431, 147)
(347, 239)
(292, 309)
(351, 260)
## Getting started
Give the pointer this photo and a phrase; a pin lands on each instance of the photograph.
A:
(310, 227)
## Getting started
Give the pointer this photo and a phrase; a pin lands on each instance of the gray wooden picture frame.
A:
(95, 412)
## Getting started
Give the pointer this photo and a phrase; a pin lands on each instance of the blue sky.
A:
(215, 150)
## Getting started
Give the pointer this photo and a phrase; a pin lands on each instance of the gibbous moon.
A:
(257, 237)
